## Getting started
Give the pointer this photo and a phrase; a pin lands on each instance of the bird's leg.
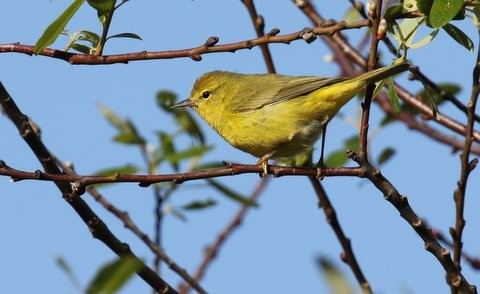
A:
(320, 163)
(264, 162)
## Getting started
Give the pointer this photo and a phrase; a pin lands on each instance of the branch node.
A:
(300, 3)
(145, 184)
(273, 32)
(212, 41)
(352, 155)
(38, 174)
(472, 164)
(455, 281)
(2, 164)
(308, 35)
(196, 57)
(78, 188)
(417, 223)
(259, 22)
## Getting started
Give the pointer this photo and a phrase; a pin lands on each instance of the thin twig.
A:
(351, 53)
(194, 53)
(473, 261)
(95, 224)
(259, 24)
(371, 64)
(212, 250)
(466, 167)
(453, 275)
(80, 181)
(348, 256)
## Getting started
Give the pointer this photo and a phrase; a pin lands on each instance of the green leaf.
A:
(127, 169)
(339, 157)
(56, 27)
(81, 48)
(102, 6)
(459, 36)
(125, 35)
(68, 271)
(129, 137)
(352, 15)
(200, 204)
(336, 280)
(209, 165)
(230, 193)
(166, 146)
(189, 125)
(443, 11)
(88, 36)
(430, 100)
(193, 151)
(166, 99)
(425, 6)
(386, 155)
(128, 133)
(352, 142)
(114, 275)
(392, 96)
(451, 88)
(112, 117)
(336, 158)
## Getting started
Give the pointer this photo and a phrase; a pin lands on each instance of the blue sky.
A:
(274, 250)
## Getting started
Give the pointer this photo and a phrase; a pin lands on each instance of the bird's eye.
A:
(206, 94)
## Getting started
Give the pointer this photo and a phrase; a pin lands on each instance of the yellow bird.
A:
(275, 116)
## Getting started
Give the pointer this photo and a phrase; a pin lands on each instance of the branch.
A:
(453, 276)
(80, 182)
(129, 224)
(194, 53)
(340, 45)
(347, 256)
(466, 167)
(259, 25)
(95, 224)
(212, 250)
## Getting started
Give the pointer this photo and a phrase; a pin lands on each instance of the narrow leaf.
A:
(230, 193)
(56, 28)
(81, 48)
(126, 35)
(193, 151)
(336, 158)
(166, 99)
(112, 117)
(443, 11)
(431, 101)
(352, 142)
(386, 155)
(189, 125)
(129, 137)
(127, 169)
(201, 204)
(336, 280)
(425, 6)
(392, 96)
(459, 36)
(114, 275)
(102, 6)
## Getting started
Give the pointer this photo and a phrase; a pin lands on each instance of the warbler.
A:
(272, 115)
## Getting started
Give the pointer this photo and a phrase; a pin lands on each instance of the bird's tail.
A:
(382, 73)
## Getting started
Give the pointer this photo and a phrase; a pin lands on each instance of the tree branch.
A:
(348, 256)
(95, 224)
(194, 53)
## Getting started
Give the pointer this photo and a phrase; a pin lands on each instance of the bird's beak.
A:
(185, 103)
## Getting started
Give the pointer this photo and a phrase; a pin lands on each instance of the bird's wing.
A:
(282, 89)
